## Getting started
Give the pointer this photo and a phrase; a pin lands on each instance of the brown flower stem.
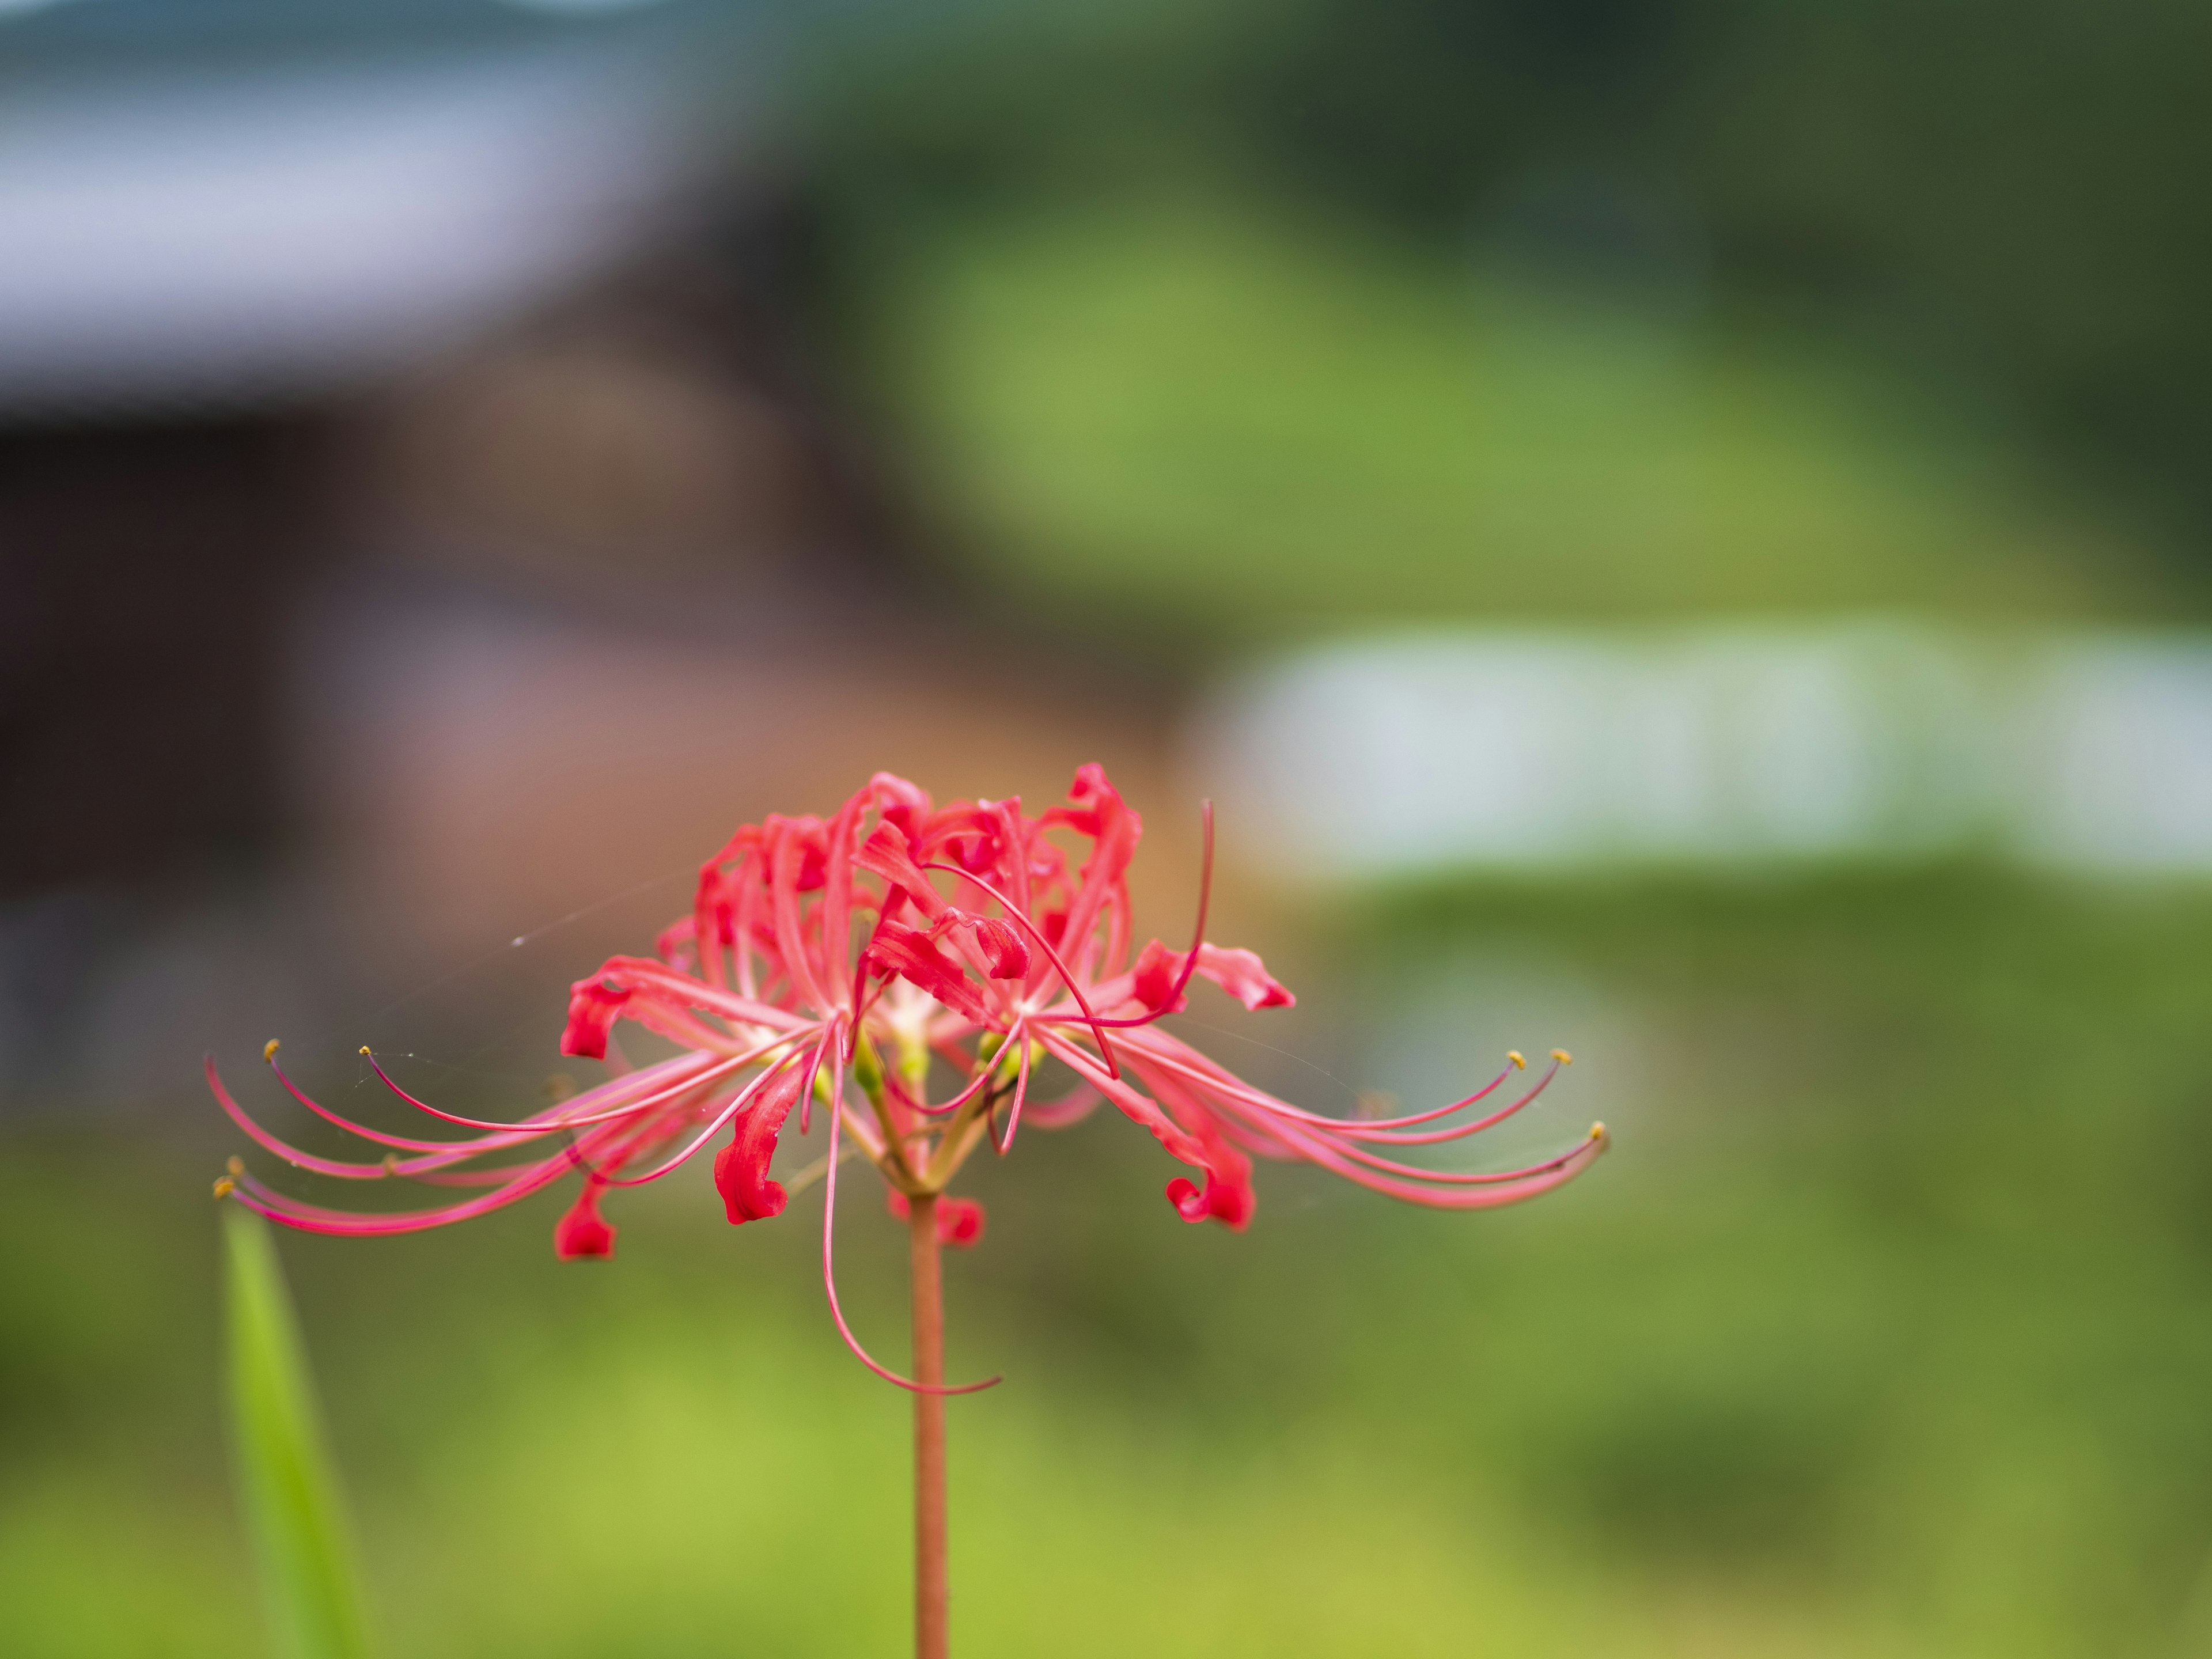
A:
(931, 1593)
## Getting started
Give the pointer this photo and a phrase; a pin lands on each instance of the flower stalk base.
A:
(931, 1593)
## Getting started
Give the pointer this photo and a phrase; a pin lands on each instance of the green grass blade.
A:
(287, 1485)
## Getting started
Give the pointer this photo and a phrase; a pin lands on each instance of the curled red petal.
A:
(583, 1231)
(1227, 1196)
(594, 1004)
(898, 949)
(1155, 982)
(1004, 948)
(1228, 1202)
(1244, 977)
(1005, 953)
(1159, 975)
(885, 853)
(741, 1176)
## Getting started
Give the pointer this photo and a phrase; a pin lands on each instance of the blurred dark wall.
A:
(311, 662)
(147, 570)
(674, 423)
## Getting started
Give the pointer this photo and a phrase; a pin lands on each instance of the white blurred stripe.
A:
(1717, 745)
(2117, 771)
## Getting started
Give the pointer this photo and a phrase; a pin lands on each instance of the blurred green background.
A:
(1886, 1327)
(1883, 1329)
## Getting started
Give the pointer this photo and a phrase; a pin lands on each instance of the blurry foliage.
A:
(1191, 420)
(1884, 1329)
(2002, 195)
(287, 1490)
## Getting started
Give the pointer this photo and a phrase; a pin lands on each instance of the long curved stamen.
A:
(1307, 1143)
(314, 1219)
(859, 1000)
(1136, 1106)
(1463, 1178)
(952, 1105)
(300, 1159)
(1197, 933)
(1461, 1197)
(434, 1165)
(1395, 1137)
(870, 994)
(1195, 1066)
(405, 1143)
(1098, 1031)
(544, 1124)
(832, 1038)
(1356, 1131)
(1021, 1088)
(829, 1270)
(1070, 1109)
(737, 1104)
(491, 1177)
(1307, 1139)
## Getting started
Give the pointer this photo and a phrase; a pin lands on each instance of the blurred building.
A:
(418, 489)
(289, 285)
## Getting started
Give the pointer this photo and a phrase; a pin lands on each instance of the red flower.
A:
(890, 940)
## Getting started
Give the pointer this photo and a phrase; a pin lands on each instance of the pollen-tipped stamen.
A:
(829, 1268)
(1021, 1091)
(1213, 1078)
(404, 1142)
(736, 1104)
(546, 1124)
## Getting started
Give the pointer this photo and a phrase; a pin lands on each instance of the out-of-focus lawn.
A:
(1205, 416)
(1887, 1329)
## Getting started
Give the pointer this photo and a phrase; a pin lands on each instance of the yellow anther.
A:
(559, 1086)
(391, 1164)
(1520, 1061)
(364, 1048)
(1599, 1133)
(1563, 1056)
(235, 1165)
(224, 1187)
(269, 1050)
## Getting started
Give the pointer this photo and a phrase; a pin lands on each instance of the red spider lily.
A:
(893, 942)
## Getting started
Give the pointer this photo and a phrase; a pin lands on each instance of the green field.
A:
(1199, 418)
(1883, 1330)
